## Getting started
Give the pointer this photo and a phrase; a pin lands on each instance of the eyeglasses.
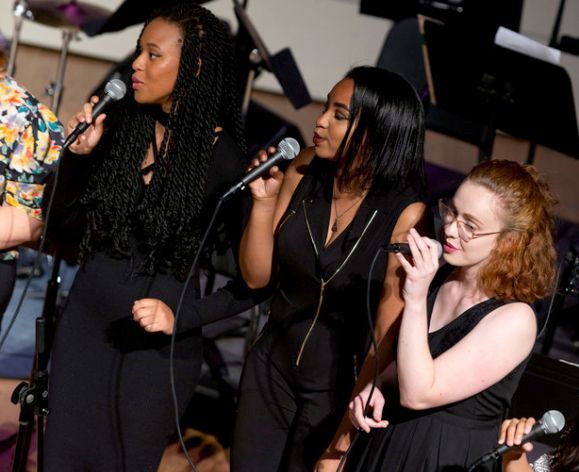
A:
(465, 230)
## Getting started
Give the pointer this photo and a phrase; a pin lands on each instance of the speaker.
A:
(547, 384)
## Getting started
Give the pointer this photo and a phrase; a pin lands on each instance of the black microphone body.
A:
(114, 90)
(288, 148)
(404, 248)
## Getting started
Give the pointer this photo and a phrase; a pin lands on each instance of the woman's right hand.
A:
(512, 432)
(268, 186)
(358, 405)
(86, 142)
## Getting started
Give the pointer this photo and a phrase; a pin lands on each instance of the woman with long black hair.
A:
(154, 177)
(313, 233)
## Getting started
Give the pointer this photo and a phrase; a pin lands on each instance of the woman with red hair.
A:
(464, 339)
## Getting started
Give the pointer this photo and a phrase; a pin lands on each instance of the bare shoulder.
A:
(514, 317)
(302, 160)
(411, 217)
(297, 167)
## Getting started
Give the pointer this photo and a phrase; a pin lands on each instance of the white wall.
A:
(326, 36)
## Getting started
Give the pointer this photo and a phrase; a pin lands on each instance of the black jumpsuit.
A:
(298, 376)
(110, 397)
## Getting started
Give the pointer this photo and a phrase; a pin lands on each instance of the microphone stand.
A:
(32, 396)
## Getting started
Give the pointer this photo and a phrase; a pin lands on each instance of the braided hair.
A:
(168, 213)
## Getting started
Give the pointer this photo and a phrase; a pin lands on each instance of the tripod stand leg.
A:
(33, 396)
(25, 397)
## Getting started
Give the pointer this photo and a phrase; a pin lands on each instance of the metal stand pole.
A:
(567, 283)
(56, 88)
(33, 396)
(20, 12)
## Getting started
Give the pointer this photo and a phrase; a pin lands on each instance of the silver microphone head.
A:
(289, 148)
(553, 421)
(116, 89)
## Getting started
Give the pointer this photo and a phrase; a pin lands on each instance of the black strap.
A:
(151, 167)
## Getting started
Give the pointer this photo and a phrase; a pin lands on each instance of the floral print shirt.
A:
(31, 138)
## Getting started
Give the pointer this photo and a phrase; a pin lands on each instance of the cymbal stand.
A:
(21, 12)
(56, 88)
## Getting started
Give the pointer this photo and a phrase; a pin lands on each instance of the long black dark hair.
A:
(566, 455)
(168, 213)
(384, 141)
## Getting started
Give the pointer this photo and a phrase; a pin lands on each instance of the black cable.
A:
(39, 255)
(192, 271)
(374, 344)
(552, 302)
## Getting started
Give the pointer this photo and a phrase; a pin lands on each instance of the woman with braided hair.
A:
(154, 176)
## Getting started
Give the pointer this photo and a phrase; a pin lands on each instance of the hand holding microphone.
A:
(287, 149)
(422, 268)
(92, 113)
(517, 432)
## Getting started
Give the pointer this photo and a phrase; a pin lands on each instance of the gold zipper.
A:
(283, 222)
(323, 282)
(318, 310)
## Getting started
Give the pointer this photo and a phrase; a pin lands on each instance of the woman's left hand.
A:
(153, 315)
(421, 269)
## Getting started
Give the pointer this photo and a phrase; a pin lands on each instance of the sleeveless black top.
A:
(447, 438)
(318, 327)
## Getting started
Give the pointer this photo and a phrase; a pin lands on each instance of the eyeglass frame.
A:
(442, 203)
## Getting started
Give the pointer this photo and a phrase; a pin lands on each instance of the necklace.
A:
(334, 227)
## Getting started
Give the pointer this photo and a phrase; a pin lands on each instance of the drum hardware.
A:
(70, 17)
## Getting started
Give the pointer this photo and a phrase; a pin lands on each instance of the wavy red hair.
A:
(522, 265)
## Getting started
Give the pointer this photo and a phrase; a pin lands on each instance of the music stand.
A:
(499, 89)
(281, 64)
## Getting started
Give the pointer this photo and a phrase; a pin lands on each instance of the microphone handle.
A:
(82, 127)
(497, 452)
(261, 169)
(404, 248)
(254, 174)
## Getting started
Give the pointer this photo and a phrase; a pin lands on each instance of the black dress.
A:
(444, 439)
(110, 397)
(299, 375)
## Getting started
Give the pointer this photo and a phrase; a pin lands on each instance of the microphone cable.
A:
(190, 275)
(560, 270)
(114, 90)
(38, 258)
(374, 345)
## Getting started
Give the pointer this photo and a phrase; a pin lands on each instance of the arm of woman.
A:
(385, 331)
(271, 197)
(470, 366)
(66, 225)
(155, 315)
(34, 155)
(17, 227)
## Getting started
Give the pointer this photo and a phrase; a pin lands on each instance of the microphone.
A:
(115, 89)
(287, 149)
(552, 422)
(404, 248)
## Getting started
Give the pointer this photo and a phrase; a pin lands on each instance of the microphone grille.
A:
(553, 421)
(438, 247)
(289, 148)
(116, 89)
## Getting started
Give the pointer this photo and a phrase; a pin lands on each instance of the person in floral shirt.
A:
(31, 138)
